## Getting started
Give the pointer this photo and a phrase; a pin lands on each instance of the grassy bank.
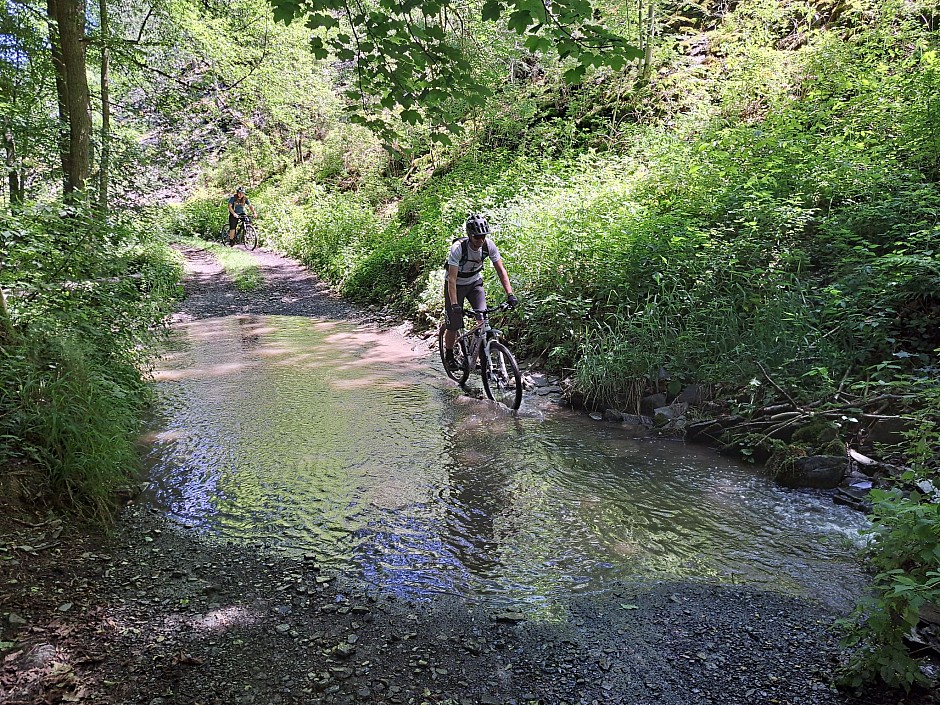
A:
(84, 306)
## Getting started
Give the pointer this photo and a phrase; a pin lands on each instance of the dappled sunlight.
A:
(344, 442)
(228, 369)
(164, 436)
(371, 347)
(216, 620)
(276, 351)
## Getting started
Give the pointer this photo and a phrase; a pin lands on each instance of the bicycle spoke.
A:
(502, 381)
(459, 370)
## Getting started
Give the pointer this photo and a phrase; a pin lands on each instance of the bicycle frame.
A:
(479, 338)
(243, 220)
(480, 347)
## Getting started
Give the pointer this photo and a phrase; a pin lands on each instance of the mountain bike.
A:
(502, 381)
(245, 233)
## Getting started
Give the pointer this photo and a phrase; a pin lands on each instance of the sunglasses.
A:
(478, 237)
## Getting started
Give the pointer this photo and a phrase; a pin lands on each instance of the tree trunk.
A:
(648, 49)
(66, 34)
(103, 174)
(61, 91)
(13, 171)
(6, 326)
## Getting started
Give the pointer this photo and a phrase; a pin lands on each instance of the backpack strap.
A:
(465, 254)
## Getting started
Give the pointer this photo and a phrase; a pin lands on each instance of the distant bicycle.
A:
(502, 381)
(245, 233)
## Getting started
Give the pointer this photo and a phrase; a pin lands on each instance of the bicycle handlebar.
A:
(472, 313)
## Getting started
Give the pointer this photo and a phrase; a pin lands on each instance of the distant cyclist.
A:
(236, 208)
(465, 278)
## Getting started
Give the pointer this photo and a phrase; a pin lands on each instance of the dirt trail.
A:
(155, 615)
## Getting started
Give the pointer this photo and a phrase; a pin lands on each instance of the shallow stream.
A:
(350, 445)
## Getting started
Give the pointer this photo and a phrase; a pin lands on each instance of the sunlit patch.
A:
(372, 347)
(165, 436)
(323, 326)
(624, 548)
(217, 620)
(269, 350)
(228, 369)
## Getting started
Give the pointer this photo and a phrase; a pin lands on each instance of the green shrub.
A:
(85, 305)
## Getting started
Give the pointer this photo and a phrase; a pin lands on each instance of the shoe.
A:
(451, 362)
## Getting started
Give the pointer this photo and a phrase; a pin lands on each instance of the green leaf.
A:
(491, 10)
(536, 43)
(412, 117)
(475, 98)
(321, 19)
(616, 62)
(285, 10)
(441, 138)
(317, 49)
(574, 75)
(519, 21)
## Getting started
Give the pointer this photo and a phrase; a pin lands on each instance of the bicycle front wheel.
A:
(502, 381)
(251, 237)
(459, 369)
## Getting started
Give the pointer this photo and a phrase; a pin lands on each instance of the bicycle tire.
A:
(462, 372)
(502, 381)
(250, 237)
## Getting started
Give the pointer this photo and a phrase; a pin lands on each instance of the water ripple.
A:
(325, 438)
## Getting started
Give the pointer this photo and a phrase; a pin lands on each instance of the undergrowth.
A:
(85, 302)
(768, 202)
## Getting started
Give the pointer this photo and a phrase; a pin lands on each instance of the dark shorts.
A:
(474, 296)
(232, 221)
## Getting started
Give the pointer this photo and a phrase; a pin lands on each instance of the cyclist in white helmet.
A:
(464, 281)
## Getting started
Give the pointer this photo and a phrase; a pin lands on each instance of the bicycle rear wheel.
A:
(460, 370)
(502, 380)
(251, 237)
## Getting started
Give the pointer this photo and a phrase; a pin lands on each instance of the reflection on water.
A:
(333, 440)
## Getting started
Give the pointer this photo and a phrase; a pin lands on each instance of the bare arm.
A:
(503, 276)
(452, 283)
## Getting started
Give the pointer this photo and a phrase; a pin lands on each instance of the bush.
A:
(86, 303)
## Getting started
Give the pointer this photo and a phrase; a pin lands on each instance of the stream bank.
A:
(152, 614)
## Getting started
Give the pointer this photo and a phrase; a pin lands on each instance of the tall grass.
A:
(85, 305)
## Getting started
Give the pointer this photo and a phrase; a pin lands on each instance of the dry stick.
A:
(842, 384)
(773, 409)
(779, 428)
(775, 385)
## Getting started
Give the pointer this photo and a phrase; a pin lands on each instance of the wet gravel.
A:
(155, 614)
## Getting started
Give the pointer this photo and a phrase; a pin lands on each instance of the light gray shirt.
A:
(472, 269)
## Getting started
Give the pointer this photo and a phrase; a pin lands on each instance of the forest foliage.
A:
(741, 195)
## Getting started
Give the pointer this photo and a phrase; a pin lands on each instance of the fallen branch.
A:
(777, 386)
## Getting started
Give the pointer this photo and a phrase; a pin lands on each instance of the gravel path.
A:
(289, 290)
(156, 616)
